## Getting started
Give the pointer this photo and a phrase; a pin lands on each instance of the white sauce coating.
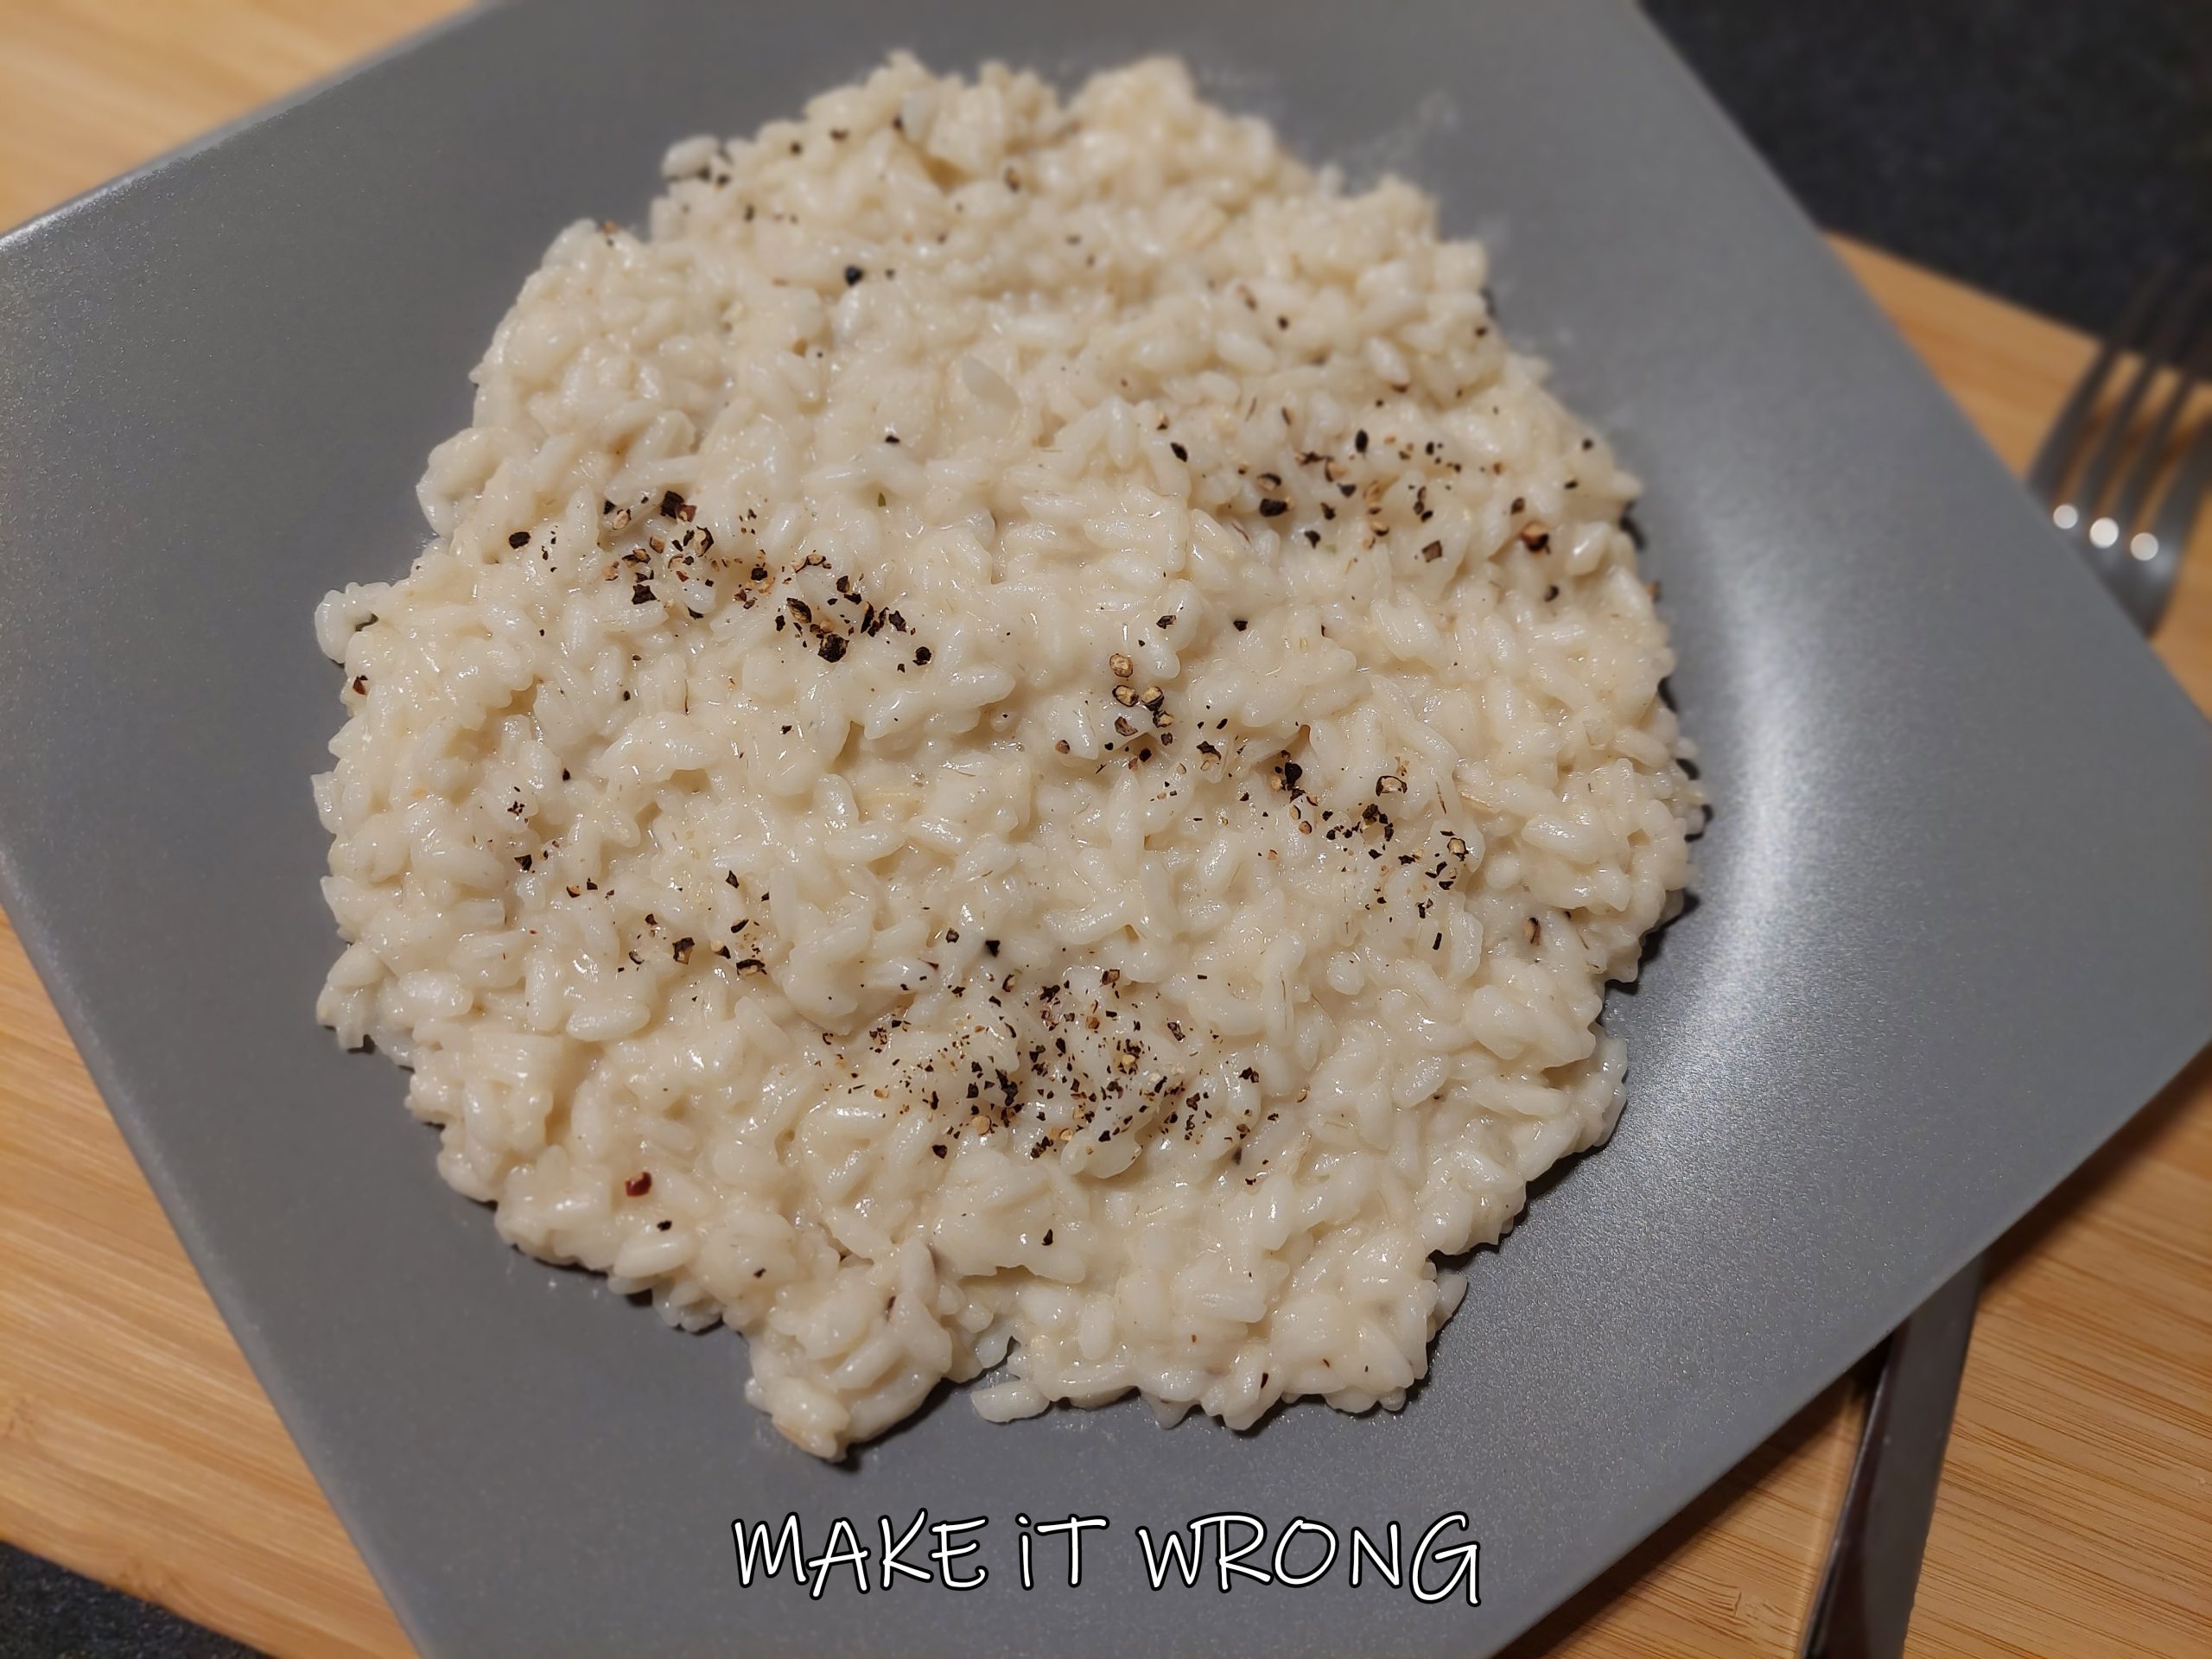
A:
(1023, 739)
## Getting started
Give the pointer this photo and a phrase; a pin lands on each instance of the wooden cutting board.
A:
(135, 1447)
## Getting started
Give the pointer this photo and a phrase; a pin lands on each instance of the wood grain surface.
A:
(2075, 1517)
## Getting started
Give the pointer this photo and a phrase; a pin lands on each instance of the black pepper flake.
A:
(1313, 538)
(1240, 624)
(518, 538)
(641, 594)
(922, 654)
(681, 950)
(852, 273)
(523, 860)
(991, 947)
(1178, 451)
(360, 685)
(1272, 508)
(832, 648)
(1433, 551)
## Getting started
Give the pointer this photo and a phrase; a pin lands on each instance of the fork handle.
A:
(1865, 1600)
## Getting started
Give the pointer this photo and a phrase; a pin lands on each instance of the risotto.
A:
(1023, 744)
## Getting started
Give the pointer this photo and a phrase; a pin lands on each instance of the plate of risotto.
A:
(1232, 813)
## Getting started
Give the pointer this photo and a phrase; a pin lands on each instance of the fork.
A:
(2099, 473)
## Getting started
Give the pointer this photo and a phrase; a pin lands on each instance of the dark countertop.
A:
(2045, 151)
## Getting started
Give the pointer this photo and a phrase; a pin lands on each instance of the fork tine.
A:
(2177, 512)
(2047, 472)
(2147, 579)
(2189, 366)
(2167, 334)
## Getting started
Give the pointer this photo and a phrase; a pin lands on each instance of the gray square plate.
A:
(1956, 919)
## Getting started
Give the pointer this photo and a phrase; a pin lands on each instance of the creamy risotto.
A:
(1022, 742)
